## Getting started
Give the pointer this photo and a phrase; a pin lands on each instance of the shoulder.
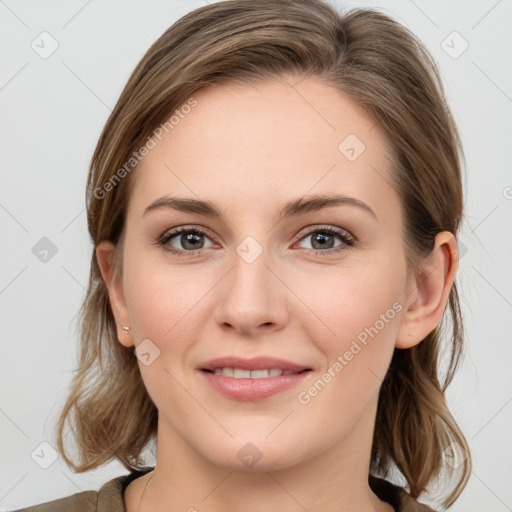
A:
(396, 496)
(109, 498)
(86, 501)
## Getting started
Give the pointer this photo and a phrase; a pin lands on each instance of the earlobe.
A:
(105, 253)
(427, 300)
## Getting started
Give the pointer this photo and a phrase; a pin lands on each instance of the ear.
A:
(112, 276)
(429, 292)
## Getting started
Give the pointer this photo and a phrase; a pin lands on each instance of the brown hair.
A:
(386, 70)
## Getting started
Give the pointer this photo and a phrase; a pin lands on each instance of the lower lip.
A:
(252, 389)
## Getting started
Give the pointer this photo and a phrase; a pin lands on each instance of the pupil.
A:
(324, 240)
(190, 238)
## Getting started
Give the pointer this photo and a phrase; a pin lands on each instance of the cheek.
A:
(164, 306)
(357, 315)
(361, 312)
(162, 299)
(347, 303)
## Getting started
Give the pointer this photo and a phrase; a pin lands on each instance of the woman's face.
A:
(323, 286)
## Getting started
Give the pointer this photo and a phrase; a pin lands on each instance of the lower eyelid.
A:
(342, 246)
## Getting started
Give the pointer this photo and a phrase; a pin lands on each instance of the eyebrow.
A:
(299, 206)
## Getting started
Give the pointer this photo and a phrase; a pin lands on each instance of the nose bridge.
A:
(251, 296)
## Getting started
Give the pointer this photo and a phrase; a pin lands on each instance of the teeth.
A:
(241, 374)
(238, 373)
(259, 374)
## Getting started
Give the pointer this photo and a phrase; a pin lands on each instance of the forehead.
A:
(265, 143)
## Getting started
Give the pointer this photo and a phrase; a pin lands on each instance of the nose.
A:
(253, 299)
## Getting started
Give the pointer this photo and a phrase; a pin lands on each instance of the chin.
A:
(257, 454)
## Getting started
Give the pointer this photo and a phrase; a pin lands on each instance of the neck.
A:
(335, 480)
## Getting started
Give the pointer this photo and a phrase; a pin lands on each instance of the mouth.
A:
(252, 379)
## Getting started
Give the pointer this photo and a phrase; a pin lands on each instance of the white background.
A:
(52, 112)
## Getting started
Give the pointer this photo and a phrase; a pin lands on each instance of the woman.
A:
(274, 204)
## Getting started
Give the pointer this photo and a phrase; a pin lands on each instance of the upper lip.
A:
(256, 363)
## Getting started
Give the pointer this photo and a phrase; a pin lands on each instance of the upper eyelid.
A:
(323, 227)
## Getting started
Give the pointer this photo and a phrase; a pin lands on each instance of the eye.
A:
(323, 239)
(185, 241)
(189, 241)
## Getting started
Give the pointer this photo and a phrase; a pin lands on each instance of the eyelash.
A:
(347, 240)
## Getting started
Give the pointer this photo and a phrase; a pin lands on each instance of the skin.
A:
(249, 150)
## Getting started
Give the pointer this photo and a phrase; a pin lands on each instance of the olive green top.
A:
(110, 498)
